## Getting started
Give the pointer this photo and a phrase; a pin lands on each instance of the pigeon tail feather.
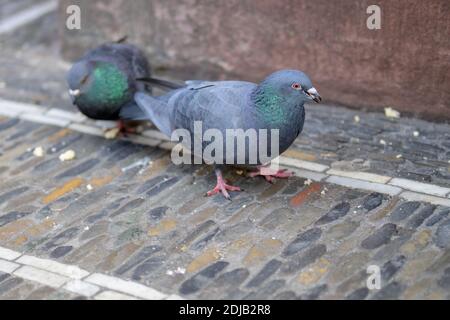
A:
(157, 111)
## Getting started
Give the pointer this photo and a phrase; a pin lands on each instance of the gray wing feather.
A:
(218, 104)
(157, 111)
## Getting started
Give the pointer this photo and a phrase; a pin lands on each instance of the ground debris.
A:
(111, 133)
(67, 156)
(144, 162)
(391, 113)
(38, 152)
(179, 270)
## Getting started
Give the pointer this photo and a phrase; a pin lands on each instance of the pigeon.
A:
(103, 82)
(275, 103)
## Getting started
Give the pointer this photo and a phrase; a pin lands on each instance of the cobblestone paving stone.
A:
(151, 223)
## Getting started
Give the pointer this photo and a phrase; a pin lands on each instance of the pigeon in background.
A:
(276, 103)
(103, 82)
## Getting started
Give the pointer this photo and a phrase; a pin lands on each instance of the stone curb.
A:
(74, 279)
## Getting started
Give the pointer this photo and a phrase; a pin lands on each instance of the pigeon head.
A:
(282, 95)
(99, 83)
(293, 85)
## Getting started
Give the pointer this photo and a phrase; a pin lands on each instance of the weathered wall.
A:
(405, 65)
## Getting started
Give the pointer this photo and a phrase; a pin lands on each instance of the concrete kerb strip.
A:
(74, 279)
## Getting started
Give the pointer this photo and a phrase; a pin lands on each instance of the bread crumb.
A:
(38, 152)
(67, 156)
(111, 133)
(391, 113)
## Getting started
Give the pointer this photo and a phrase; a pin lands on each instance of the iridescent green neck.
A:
(109, 86)
(269, 104)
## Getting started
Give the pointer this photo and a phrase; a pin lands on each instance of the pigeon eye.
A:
(296, 86)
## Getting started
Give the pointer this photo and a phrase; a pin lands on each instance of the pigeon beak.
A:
(74, 93)
(314, 95)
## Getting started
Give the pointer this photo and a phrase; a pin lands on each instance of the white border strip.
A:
(27, 16)
(407, 189)
(74, 279)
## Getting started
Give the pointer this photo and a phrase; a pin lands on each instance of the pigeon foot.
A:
(222, 187)
(271, 175)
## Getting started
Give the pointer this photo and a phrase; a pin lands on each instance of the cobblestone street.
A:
(120, 221)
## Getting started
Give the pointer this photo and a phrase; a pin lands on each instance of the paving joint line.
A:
(404, 188)
(58, 275)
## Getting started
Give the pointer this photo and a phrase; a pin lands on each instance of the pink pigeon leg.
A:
(124, 129)
(222, 187)
(271, 175)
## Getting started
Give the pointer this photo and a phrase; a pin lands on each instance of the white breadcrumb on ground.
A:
(179, 270)
(416, 133)
(357, 119)
(308, 182)
(67, 156)
(399, 156)
(38, 152)
(324, 191)
(89, 187)
(383, 142)
(391, 113)
(111, 133)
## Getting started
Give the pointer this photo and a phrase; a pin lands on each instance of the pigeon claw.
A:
(223, 188)
(270, 176)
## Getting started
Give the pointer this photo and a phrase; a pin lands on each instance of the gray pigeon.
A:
(275, 103)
